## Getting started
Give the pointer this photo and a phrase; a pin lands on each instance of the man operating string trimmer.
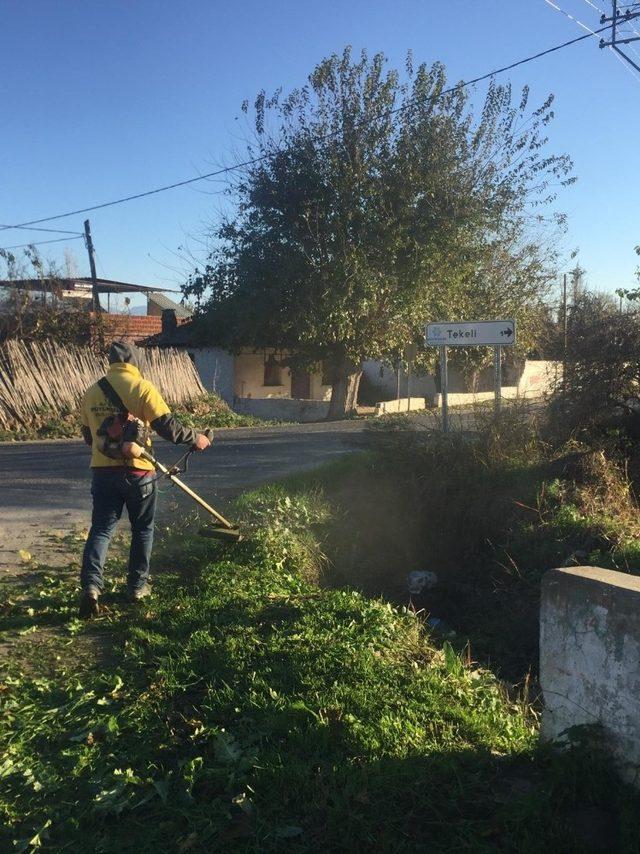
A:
(117, 414)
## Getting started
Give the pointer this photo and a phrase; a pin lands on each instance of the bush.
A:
(601, 386)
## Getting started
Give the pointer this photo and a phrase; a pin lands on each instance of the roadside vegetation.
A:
(208, 410)
(487, 514)
(261, 702)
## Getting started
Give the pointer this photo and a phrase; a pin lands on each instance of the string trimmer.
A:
(223, 530)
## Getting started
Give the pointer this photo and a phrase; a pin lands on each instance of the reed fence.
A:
(45, 376)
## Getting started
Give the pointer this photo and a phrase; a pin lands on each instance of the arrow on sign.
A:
(508, 332)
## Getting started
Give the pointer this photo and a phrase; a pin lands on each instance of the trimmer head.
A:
(220, 532)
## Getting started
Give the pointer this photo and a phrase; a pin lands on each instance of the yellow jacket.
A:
(141, 398)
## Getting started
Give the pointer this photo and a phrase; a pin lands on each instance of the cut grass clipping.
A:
(244, 709)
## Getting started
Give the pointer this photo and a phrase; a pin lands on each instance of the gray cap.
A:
(120, 351)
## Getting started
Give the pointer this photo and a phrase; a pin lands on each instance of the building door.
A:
(301, 385)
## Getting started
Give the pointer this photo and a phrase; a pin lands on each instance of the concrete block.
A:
(590, 658)
(405, 404)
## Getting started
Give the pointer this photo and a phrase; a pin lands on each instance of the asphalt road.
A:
(44, 486)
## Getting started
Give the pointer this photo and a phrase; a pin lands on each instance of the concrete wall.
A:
(216, 369)
(405, 404)
(537, 379)
(533, 379)
(283, 409)
(319, 390)
(385, 378)
(249, 380)
(590, 657)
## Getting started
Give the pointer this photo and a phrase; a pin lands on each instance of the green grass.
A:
(246, 709)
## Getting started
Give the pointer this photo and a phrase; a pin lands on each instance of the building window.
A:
(327, 374)
(272, 371)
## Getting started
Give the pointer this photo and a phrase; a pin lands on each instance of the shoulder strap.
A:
(111, 394)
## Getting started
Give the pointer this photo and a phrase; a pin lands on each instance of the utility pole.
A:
(619, 36)
(564, 316)
(564, 336)
(92, 265)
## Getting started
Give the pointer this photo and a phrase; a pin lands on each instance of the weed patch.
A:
(246, 709)
(487, 513)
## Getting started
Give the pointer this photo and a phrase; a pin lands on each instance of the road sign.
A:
(470, 333)
(475, 333)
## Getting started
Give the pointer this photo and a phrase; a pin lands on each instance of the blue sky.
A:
(105, 98)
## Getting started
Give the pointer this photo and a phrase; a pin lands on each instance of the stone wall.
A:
(590, 658)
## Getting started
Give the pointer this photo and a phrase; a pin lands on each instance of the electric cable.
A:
(252, 161)
(620, 23)
(52, 230)
(591, 32)
(42, 242)
(571, 17)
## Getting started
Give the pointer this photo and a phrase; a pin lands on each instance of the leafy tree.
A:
(377, 203)
(601, 383)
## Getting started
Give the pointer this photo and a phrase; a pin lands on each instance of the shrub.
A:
(601, 384)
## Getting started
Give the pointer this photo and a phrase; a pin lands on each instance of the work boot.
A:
(89, 604)
(138, 595)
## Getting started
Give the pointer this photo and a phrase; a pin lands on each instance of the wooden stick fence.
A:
(47, 376)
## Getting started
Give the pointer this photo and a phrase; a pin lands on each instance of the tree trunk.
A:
(344, 390)
(472, 380)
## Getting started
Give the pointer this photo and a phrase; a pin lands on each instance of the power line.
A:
(42, 242)
(617, 21)
(634, 31)
(52, 230)
(591, 32)
(621, 20)
(570, 17)
(262, 157)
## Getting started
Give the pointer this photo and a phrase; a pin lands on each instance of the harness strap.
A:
(112, 395)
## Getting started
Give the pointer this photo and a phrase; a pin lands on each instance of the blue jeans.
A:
(111, 491)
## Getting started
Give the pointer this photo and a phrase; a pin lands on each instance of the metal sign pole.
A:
(444, 389)
(497, 367)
